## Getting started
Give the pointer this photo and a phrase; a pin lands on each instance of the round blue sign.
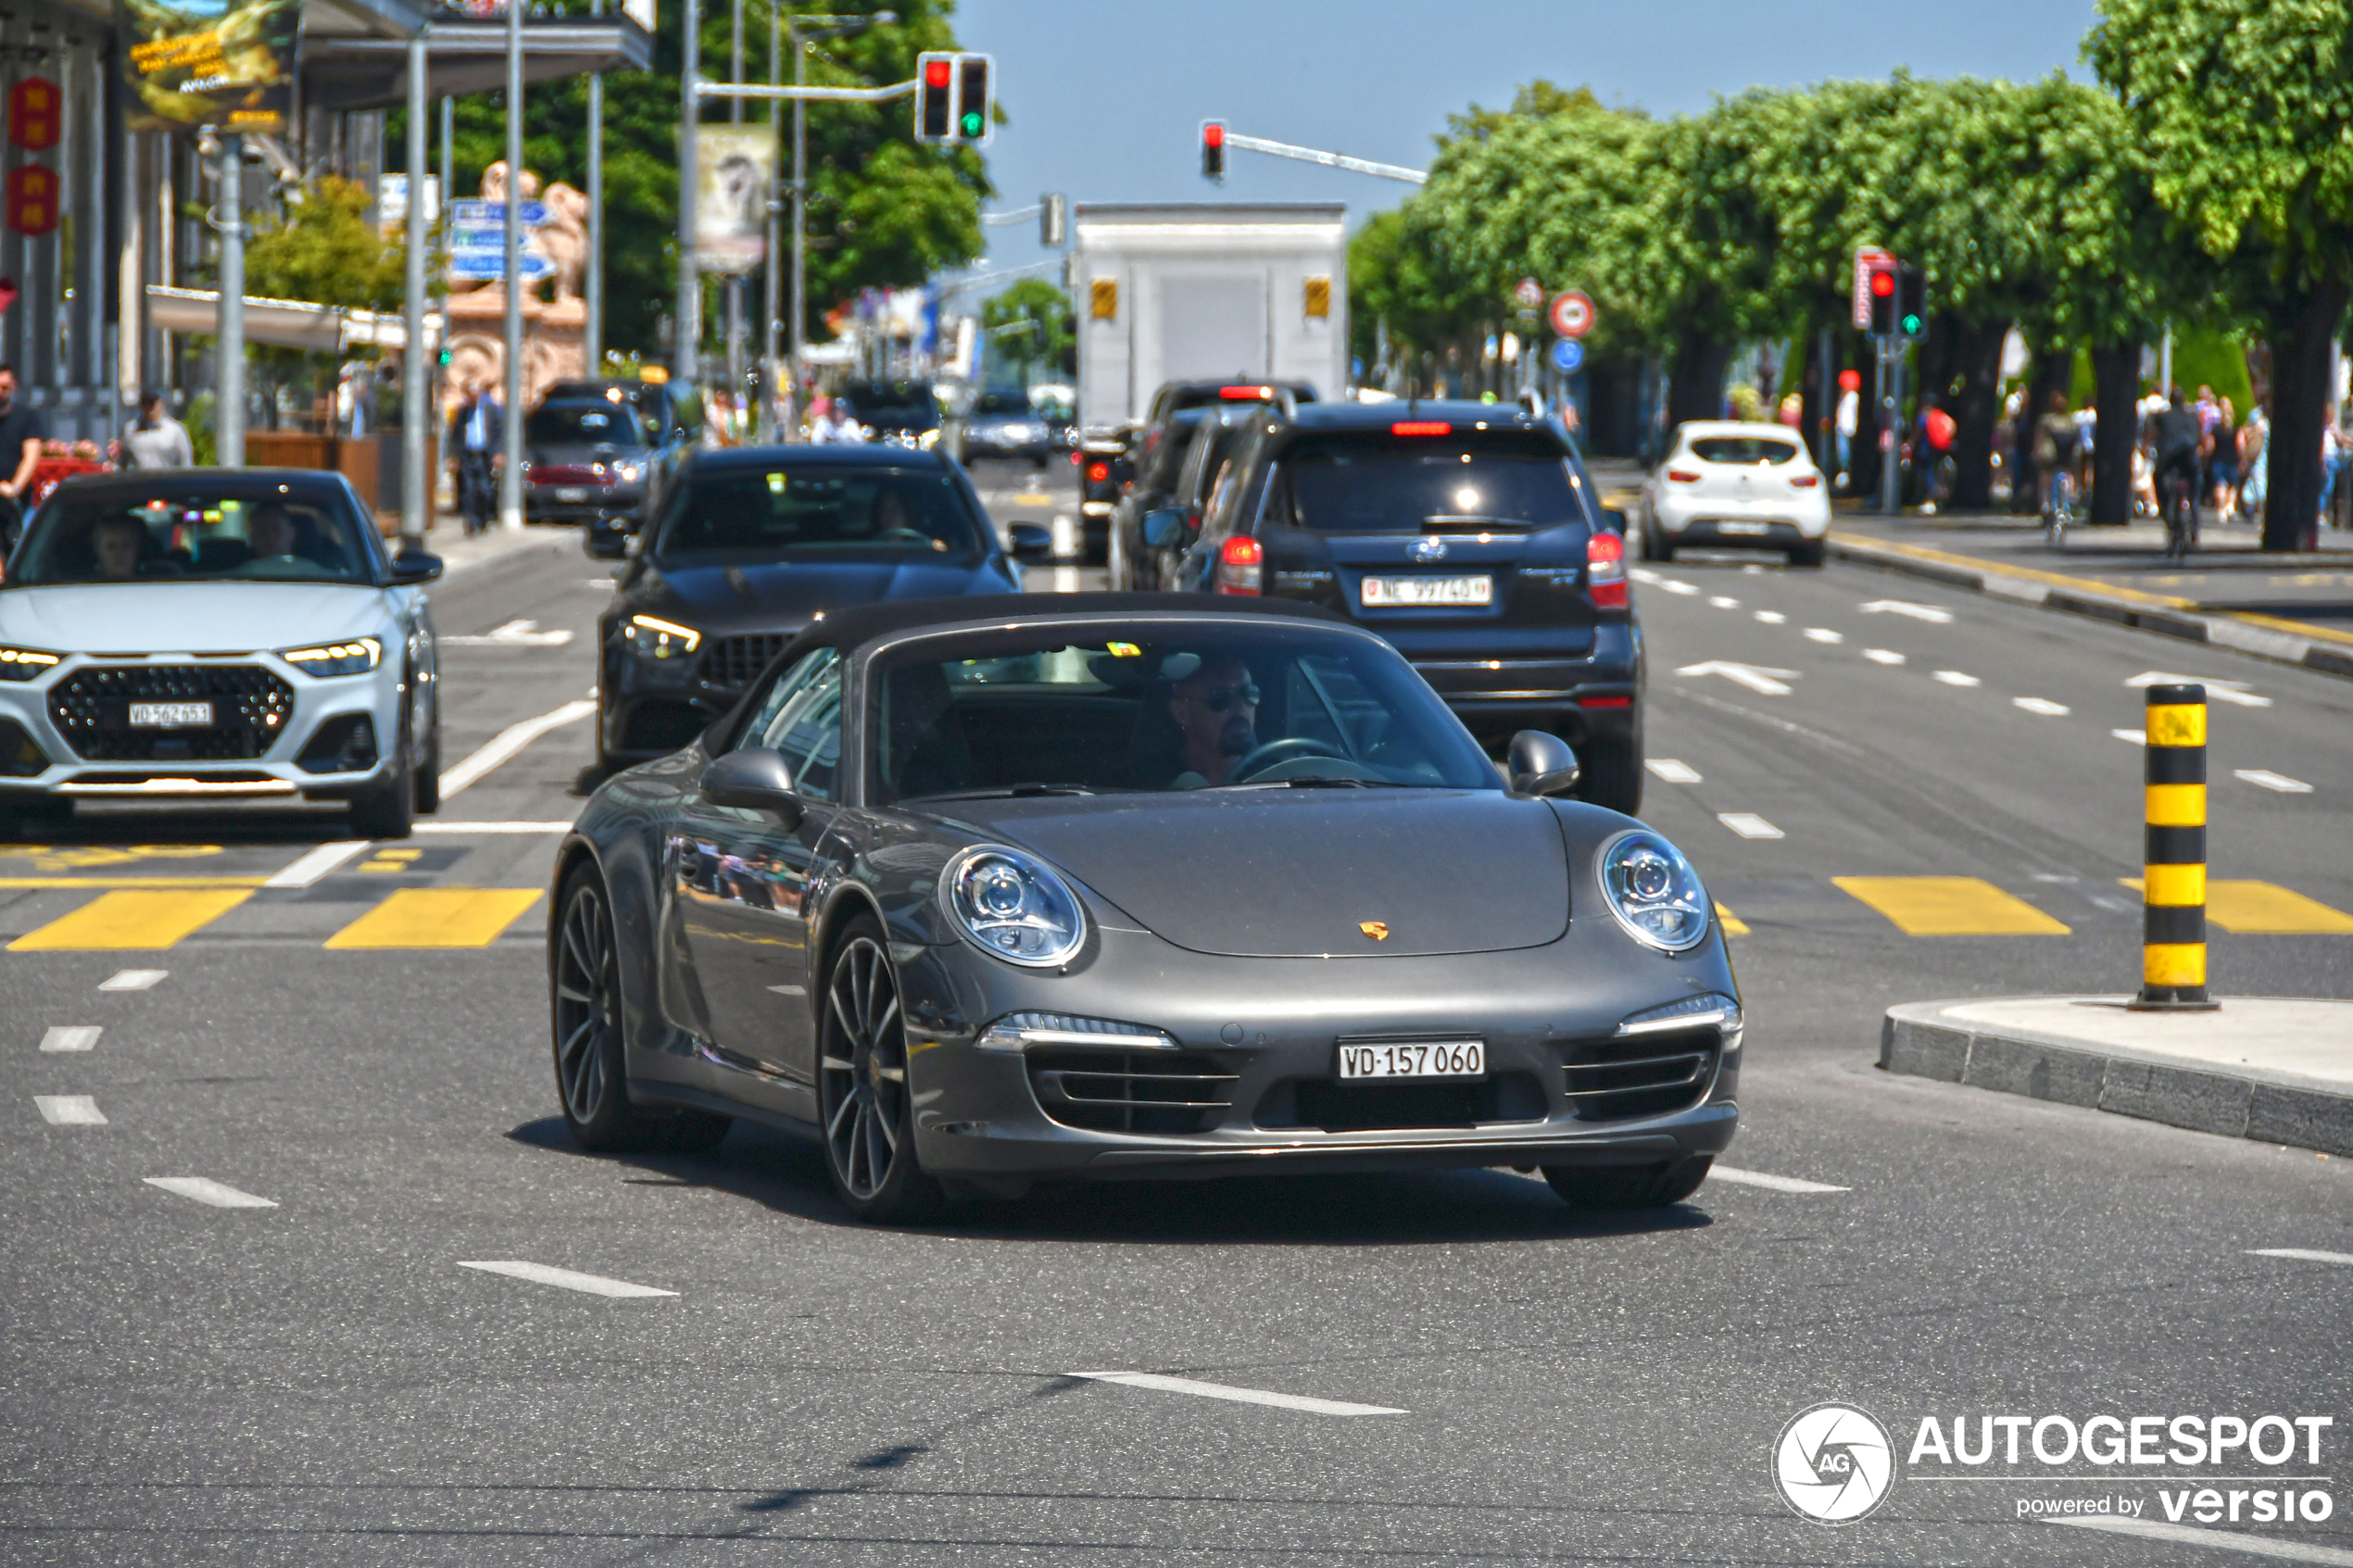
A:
(1567, 354)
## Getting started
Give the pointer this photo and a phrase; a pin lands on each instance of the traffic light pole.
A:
(1330, 160)
(1891, 478)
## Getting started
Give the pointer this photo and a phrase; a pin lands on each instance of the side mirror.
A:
(753, 780)
(415, 567)
(1615, 521)
(1165, 527)
(1541, 763)
(605, 544)
(1031, 541)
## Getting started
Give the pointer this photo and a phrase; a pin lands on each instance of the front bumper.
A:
(587, 504)
(308, 737)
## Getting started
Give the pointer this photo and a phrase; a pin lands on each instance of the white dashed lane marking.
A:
(2042, 704)
(70, 1037)
(1672, 771)
(2137, 737)
(1882, 656)
(569, 1279)
(1720, 602)
(1238, 1395)
(2216, 690)
(1777, 1183)
(1955, 678)
(1823, 634)
(1748, 825)
(131, 980)
(317, 863)
(1905, 607)
(1772, 617)
(2301, 1254)
(2266, 779)
(2220, 1540)
(203, 1190)
(1674, 586)
(69, 1110)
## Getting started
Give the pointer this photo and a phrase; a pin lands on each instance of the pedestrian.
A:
(2222, 463)
(156, 440)
(2332, 463)
(1850, 408)
(478, 433)
(2053, 444)
(22, 430)
(2254, 467)
(835, 425)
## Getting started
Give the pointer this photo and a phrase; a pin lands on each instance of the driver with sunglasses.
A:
(1215, 708)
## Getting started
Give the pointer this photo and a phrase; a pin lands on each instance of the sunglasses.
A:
(1219, 698)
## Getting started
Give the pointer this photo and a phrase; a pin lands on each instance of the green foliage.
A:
(326, 249)
(1040, 327)
(883, 212)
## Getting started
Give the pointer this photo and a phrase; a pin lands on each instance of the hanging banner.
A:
(735, 170)
(224, 63)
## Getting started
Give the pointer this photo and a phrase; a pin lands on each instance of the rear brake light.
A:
(1099, 473)
(1606, 571)
(1680, 477)
(1421, 427)
(1806, 481)
(1240, 566)
(1247, 393)
(1605, 702)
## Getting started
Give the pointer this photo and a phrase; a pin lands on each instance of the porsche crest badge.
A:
(1377, 929)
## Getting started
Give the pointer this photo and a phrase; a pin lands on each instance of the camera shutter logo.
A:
(1835, 1464)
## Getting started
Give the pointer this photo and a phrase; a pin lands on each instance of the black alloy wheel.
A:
(583, 994)
(864, 1103)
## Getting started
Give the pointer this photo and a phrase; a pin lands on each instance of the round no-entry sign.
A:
(1572, 314)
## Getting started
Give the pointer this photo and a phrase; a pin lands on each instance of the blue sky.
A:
(1105, 97)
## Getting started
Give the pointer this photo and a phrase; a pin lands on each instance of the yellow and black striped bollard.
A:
(2173, 886)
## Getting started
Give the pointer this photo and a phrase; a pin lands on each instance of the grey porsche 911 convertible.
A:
(997, 891)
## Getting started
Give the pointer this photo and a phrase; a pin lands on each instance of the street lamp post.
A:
(686, 330)
(592, 332)
(416, 473)
(819, 27)
(229, 375)
(510, 477)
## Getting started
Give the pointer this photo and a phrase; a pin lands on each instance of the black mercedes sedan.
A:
(985, 893)
(751, 544)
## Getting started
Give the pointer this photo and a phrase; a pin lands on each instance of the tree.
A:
(1030, 324)
(2245, 111)
(325, 249)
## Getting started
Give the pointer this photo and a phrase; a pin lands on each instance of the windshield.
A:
(829, 509)
(1012, 712)
(259, 531)
(1377, 483)
(1742, 449)
(1011, 403)
(905, 406)
(583, 424)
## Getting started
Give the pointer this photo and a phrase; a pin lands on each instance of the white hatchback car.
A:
(1744, 486)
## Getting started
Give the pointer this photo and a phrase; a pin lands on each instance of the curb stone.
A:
(2283, 642)
(1917, 1039)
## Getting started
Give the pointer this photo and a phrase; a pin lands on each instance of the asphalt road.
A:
(327, 1380)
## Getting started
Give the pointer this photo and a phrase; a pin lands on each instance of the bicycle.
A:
(2059, 509)
(2177, 501)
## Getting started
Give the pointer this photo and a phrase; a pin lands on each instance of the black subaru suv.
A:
(1466, 533)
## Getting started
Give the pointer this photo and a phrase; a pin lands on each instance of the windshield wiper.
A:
(1015, 791)
(1308, 784)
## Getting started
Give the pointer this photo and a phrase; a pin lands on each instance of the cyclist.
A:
(2054, 451)
(2178, 434)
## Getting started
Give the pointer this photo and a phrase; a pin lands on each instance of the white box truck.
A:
(1198, 291)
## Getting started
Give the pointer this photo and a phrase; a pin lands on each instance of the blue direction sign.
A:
(490, 265)
(1567, 354)
(492, 215)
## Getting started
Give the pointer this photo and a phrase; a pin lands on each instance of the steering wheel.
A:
(1261, 758)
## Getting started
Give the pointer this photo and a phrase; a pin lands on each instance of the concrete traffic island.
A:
(2276, 1069)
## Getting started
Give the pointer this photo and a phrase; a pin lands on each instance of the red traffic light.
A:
(1213, 135)
(937, 73)
(1883, 283)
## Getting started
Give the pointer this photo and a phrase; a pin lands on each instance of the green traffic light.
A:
(972, 126)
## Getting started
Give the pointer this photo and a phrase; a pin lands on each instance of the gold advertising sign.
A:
(225, 63)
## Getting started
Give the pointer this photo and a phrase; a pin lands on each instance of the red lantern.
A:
(37, 113)
(32, 198)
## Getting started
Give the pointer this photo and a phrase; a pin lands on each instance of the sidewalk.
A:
(459, 550)
(2274, 1070)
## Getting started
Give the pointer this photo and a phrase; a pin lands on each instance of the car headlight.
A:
(1654, 892)
(355, 657)
(928, 440)
(1012, 907)
(629, 474)
(25, 664)
(650, 637)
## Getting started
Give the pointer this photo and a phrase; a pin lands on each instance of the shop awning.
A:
(286, 323)
(464, 55)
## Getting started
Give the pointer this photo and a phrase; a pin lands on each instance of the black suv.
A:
(1157, 457)
(1470, 536)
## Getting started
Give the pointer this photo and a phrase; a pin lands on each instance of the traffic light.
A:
(952, 98)
(1911, 312)
(1884, 302)
(1212, 150)
(1054, 220)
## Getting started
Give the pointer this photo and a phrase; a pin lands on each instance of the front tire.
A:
(865, 1105)
(1600, 1189)
(428, 788)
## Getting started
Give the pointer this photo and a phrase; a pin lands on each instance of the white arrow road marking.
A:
(1239, 1396)
(509, 741)
(1756, 678)
(1748, 825)
(1673, 771)
(2301, 1254)
(514, 634)
(69, 1110)
(2220, 1540)
(2042, 704)
(203, 1190)
(1882, 656)
(1778, 1183)
(2216, 691)
(1823, 634)
(570, 1279)
(317, 863)
(131, 980)
(70, 1037)
(1771, 617)
(1955, 678)
(1905, 607)
(2270, 780)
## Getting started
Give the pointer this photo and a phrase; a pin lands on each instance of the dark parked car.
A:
(752, 544)
(1002, 424)
(896, 413)
(1134, 563)
(1466, 533)
(1157, 456)
(986, 892)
